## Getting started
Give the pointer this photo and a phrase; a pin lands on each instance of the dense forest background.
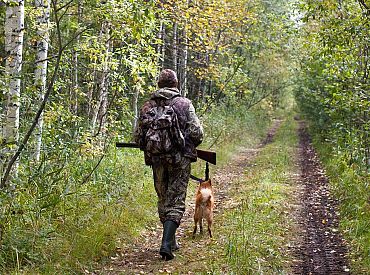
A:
(74, 73)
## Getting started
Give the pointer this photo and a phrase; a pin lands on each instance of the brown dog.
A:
(204, 204)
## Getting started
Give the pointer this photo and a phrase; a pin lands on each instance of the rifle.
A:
(208, 156)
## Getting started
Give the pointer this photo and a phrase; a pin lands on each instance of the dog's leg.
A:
(195, 228)
(196, 220)
(209, 218)
(201, 222)
(209, 229)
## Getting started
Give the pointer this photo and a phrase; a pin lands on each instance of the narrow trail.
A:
(321, 249)
(142, 256)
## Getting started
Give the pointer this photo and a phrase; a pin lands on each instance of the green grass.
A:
(87, 222)
(254, 236)
(353, 192)
(64, 225)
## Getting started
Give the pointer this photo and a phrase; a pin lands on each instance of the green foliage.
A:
(68, 216)
(60, 217)
(334, 77)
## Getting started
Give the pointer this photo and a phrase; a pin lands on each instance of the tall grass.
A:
(230, 126)
(58, 222)
(61, 218)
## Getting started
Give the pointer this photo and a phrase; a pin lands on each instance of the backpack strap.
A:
(175, 99)
(166, 102)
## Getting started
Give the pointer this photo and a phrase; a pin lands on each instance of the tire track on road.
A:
(321, 249)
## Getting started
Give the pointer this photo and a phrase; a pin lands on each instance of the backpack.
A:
(163, 135)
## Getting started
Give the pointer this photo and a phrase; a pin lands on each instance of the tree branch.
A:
(227, 81)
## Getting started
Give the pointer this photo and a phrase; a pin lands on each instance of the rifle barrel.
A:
(208, 156)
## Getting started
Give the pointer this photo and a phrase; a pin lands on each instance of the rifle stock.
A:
(208, 156)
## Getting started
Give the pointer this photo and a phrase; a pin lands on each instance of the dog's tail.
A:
(206, 194)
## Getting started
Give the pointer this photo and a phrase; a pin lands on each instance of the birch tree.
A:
(100, 111)
(185, 75)
(161, 44)
(43, 7)
(174, 47)
(14, 29)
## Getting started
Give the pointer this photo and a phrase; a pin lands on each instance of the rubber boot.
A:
(169, 230)
(174, 246)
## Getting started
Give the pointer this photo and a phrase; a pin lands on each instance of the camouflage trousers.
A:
(171, 182)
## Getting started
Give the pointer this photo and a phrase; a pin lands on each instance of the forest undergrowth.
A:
(61, 222)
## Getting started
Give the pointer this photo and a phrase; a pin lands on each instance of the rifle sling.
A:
(196, 179)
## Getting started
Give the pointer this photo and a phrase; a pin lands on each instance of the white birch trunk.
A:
(184, 83)
(90, 93)
(43, 7)
(75, 89)
(160, 45)
(185, 77)
(14, 29)
(101, 107)
(174, 49)
(135, 107)
(163, 44)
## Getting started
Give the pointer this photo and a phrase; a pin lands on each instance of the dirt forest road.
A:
(320, 248)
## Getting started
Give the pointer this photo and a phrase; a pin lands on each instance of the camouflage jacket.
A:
(188, 121)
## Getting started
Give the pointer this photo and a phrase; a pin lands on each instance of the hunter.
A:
(168, 131)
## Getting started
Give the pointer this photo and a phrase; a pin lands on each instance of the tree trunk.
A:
(43, 6)
(90, 93)
(75, 86)
(184, 87)
(100, 111)
(160, 45)
(209, 90)
(135, 107)
(185, 75)
(14, 29)
(174, 47)
(163, 46)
